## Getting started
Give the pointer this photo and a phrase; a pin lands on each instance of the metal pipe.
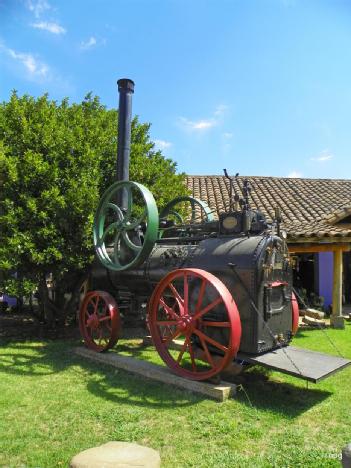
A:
(125, 89)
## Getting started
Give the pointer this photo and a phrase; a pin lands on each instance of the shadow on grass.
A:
(51, 357)
(23, 357)
(136, 390)
(118, 386)
(285, 398)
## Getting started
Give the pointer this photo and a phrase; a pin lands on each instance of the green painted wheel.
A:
(123, 239)
(199, 210)
(181, 212)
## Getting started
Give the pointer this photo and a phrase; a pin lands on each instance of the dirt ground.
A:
(22, 326)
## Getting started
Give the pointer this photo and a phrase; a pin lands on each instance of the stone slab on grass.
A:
(117, 455)
(159, 373)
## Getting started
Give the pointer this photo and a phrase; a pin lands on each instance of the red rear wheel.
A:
(194, 307)
(295, 314)
(99, 321)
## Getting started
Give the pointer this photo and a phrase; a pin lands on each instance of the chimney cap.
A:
(125, 84)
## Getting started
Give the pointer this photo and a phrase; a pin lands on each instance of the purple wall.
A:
(325, 273)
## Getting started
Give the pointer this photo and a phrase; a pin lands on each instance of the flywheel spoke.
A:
(130, 244)
(116, 209)
(132, 224)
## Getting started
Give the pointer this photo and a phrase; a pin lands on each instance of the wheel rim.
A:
(195, 306)
(295, 314)
(124, 239)
(200, 211)
(99, 321)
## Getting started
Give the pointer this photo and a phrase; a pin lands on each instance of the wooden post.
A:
(336, 319)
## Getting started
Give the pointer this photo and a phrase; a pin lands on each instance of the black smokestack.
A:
(125, 89)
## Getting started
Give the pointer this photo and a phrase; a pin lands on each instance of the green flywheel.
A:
(124, 237)
(199, 210)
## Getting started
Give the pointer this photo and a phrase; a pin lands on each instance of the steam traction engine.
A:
(221, 288)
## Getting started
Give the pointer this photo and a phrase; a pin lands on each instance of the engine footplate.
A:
(298, 362)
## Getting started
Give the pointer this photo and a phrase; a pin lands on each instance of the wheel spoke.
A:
(169, 309)
(206, 323)
(186, 294)
(183, 348)
(210, 340)
(172, 337)
(110, 228)
(96, 306)
(103, 319)
(168, 323)
(130, 244)
(201, 295)
(176, 294)
(115, 248)
(192, 357)
(208, 354)
(116, 209)
(208, 308)
(132, 224)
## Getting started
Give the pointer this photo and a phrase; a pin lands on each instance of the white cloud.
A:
(227, 135)
(197, 125)
(294, 175)
(38, 7)
(162, 144)
(220, 110)
(53, 28)
(202, 125)
(34, 67)
(91, 42)
(325, 155)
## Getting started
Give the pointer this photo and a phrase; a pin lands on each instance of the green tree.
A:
(56, 160)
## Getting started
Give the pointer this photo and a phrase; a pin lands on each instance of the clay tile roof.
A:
(311, 208)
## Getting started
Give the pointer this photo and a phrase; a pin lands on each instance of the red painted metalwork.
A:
(99, 321)
(275, 284)
(195, 306)
(295, 314)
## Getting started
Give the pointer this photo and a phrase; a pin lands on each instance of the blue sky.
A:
(259, 87)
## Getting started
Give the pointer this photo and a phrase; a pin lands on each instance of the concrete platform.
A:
(160, 374)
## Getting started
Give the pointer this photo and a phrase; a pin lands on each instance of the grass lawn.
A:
(54, 404)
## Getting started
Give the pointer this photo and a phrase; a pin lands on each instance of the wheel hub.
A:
(187, 323)
(93, 322)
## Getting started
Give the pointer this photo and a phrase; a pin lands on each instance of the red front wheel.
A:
(195, 308)
(99, 321)
(295, 314)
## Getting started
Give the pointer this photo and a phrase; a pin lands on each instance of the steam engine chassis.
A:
(221, 288)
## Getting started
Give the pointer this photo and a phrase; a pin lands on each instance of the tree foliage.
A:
(56, 160)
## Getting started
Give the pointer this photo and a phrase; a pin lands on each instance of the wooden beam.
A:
(314, 248)
(148, 370)
(336, 319)
(319, 240)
